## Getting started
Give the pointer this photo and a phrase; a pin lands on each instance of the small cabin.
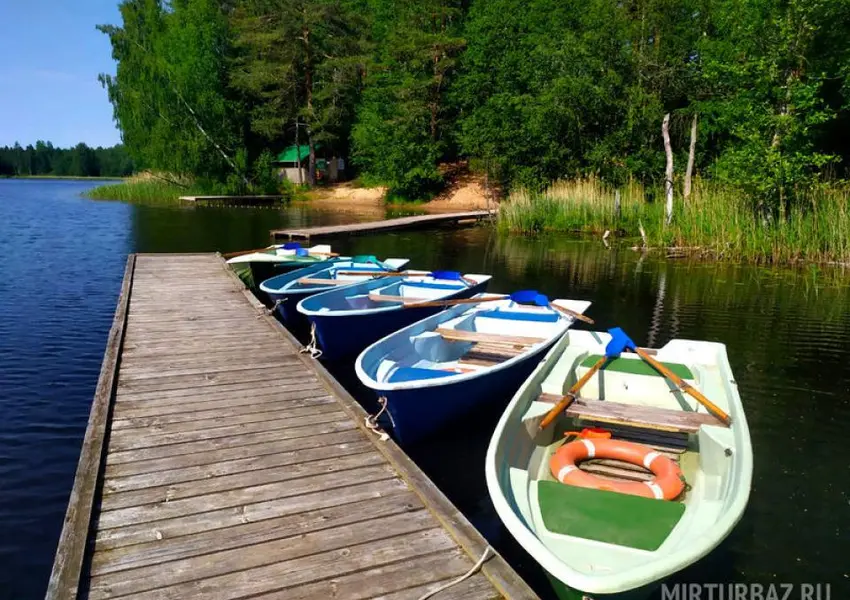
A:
(327, 169)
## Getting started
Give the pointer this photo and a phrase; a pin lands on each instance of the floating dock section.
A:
(380, 226)
(219, 462)
(233, 200)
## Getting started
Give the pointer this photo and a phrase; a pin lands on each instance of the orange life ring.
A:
(667, 484)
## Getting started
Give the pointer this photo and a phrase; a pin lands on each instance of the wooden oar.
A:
(571, 313)
(466, 280)
(619, 342)
(229, 255)
(566, 311)
(383, 273)
(685, 387)
(322, 281)
(570, 396)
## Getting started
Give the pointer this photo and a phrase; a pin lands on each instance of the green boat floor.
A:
(610, 517)
(637, 367)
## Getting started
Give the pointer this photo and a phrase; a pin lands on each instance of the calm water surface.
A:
(788, 335)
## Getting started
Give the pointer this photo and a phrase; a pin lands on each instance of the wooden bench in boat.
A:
(488, 349)
(389, 298)
(320, 281)
(644, 417)
(459, 335)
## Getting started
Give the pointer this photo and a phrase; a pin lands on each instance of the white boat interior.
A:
(376, 295)
(465, 340)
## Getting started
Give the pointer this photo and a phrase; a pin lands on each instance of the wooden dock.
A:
(220, 463)
(413, 222)
(233, 200)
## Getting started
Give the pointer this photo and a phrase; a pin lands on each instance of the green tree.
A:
(298, 65)
(764, 64)
(169, 93)
(405, 119)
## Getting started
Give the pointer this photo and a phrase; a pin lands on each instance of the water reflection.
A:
(787, 331)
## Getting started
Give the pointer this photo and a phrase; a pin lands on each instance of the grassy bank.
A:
(146, 191)
(152, 188)
(714, 220)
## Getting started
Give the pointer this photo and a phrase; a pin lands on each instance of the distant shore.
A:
(79, 177)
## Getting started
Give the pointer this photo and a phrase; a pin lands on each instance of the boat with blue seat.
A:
(287, 289)
(441, 367)
(346, 320)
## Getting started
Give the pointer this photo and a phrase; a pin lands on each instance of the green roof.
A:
(292, 153)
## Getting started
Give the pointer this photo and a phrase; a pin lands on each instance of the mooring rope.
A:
(270, 311)
(487, 552)
(372, 420)
(312, 346)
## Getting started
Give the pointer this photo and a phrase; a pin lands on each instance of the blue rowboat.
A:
(443, 366)
(286, 290)
(346, 320)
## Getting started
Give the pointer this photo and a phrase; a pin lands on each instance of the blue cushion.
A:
(545, 317)
(415, 373)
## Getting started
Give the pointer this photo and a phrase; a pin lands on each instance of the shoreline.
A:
(65, 177)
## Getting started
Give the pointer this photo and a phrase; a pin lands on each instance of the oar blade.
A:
(620, 342)
(447, 275)
(530, 297)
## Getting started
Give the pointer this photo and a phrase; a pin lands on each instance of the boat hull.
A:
(418, 412)
(343, 336)
(565, 592)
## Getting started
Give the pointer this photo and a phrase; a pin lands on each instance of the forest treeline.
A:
(79, 161)
(529, 91)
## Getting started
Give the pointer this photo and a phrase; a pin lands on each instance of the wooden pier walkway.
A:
(220, 463)
(385, 225)
(234, 200)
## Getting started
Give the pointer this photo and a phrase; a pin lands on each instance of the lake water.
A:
(788, 336)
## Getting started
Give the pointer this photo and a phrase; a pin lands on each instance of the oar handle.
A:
(431, 303)
(571, 313)
(372, 273)
(686, 387)
(228, 255)
(570, 396)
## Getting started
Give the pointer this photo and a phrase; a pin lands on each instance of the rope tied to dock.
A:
(312, 347)
(488, 551)
(270, 311)
(371, 421)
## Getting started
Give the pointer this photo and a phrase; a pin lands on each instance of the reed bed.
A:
(715, 220)
(152, 191)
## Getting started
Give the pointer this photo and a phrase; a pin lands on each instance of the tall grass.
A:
(151, 191)
(714, 220)
(166, 188)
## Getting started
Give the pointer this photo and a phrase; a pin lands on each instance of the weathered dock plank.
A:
(385, 225)
(220, 463)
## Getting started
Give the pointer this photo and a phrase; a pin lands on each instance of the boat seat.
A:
(642, 417)
(459, 335)
(516, 315)
(321, 281)
(608, 517)
(388, 298)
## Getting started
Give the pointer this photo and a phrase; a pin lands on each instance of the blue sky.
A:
(50, 57)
